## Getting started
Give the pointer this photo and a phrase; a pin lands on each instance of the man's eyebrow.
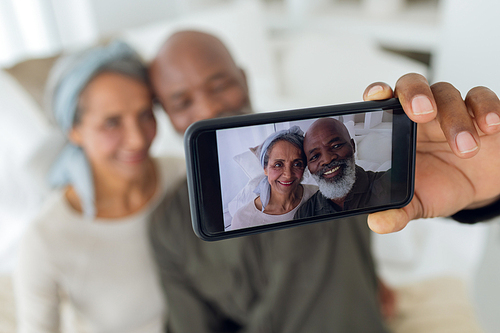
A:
(335, 139)
(338, 138)
(217, 76)
(312, 150)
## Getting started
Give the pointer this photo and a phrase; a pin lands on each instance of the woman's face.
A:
(116, 126)
(285, 168)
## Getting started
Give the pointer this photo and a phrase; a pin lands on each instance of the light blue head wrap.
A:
(294, 135)
(67, 80)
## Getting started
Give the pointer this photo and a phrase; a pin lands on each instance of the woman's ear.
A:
(75, 136)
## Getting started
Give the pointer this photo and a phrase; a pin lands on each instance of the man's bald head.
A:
(195, 77)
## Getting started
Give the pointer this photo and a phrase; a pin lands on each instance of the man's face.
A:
(330, 157)
(195, 86)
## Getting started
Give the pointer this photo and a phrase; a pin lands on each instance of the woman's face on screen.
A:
(285, 167)
(117, 125)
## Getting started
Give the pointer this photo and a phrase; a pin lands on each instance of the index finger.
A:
(416, 98)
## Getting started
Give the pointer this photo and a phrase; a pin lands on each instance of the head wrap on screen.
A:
(295, 135)
(67, 80)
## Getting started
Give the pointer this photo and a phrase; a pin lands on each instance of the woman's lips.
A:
(332, 172)
(289, 183)
(134, 158)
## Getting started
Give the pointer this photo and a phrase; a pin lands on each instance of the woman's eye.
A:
(278, 165)
(298, 165)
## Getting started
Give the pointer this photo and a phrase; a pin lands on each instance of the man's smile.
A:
(332, 172)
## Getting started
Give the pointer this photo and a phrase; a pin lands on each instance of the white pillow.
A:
(375, 147)
(23, 133)
(250, 164)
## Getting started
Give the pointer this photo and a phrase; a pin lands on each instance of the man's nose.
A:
(208, 107)
(327, 158)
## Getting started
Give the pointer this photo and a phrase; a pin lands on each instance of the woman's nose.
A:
(135, 137)
(287, 171)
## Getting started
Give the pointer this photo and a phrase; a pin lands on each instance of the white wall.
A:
(467, 54)
(113, 16)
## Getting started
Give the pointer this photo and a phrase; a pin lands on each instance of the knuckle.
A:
(479, 95)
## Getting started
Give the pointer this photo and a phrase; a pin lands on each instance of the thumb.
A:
(388, 221)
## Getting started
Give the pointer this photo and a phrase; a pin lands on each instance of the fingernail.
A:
(492, 119)
(465, 142)
(374, 90)
(421, 105)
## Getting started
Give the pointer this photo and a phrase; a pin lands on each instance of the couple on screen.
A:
(327, 150)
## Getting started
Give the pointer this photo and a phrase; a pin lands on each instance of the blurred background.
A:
(295, 53)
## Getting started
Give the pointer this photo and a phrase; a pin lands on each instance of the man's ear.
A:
(353, 144)
(75, 136)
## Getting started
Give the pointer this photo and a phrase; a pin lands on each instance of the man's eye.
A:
(112, 123)
(313, 158)
(148, 115)
(220, 85)
(337, 146)
(181, 105)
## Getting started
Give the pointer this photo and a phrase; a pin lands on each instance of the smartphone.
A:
(323, 163)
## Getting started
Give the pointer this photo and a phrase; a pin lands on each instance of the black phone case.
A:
(198, 148)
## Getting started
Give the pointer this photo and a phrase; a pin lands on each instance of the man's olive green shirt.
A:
(313, 278)
(370, 189)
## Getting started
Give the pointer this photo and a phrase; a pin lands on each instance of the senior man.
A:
(305, 279)
(343, 185)
(312, 278)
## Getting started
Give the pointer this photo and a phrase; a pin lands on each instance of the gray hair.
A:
(294, 139)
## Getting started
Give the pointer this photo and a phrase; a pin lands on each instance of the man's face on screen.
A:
(330, 157)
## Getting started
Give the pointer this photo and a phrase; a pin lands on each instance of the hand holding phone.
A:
(260, 172)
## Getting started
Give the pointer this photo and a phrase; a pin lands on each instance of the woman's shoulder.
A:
(50, 224)
(54, 209)
(243, 215)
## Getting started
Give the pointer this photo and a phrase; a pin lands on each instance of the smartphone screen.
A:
(260, 172)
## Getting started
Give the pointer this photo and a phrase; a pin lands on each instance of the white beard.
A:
(337, 188)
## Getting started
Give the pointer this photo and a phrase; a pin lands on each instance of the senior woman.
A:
(89, 244)
(280, 193)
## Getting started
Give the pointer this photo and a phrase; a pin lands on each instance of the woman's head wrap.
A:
(67, 80)
(293, 135)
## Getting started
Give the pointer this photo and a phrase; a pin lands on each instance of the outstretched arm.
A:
(458, 149)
